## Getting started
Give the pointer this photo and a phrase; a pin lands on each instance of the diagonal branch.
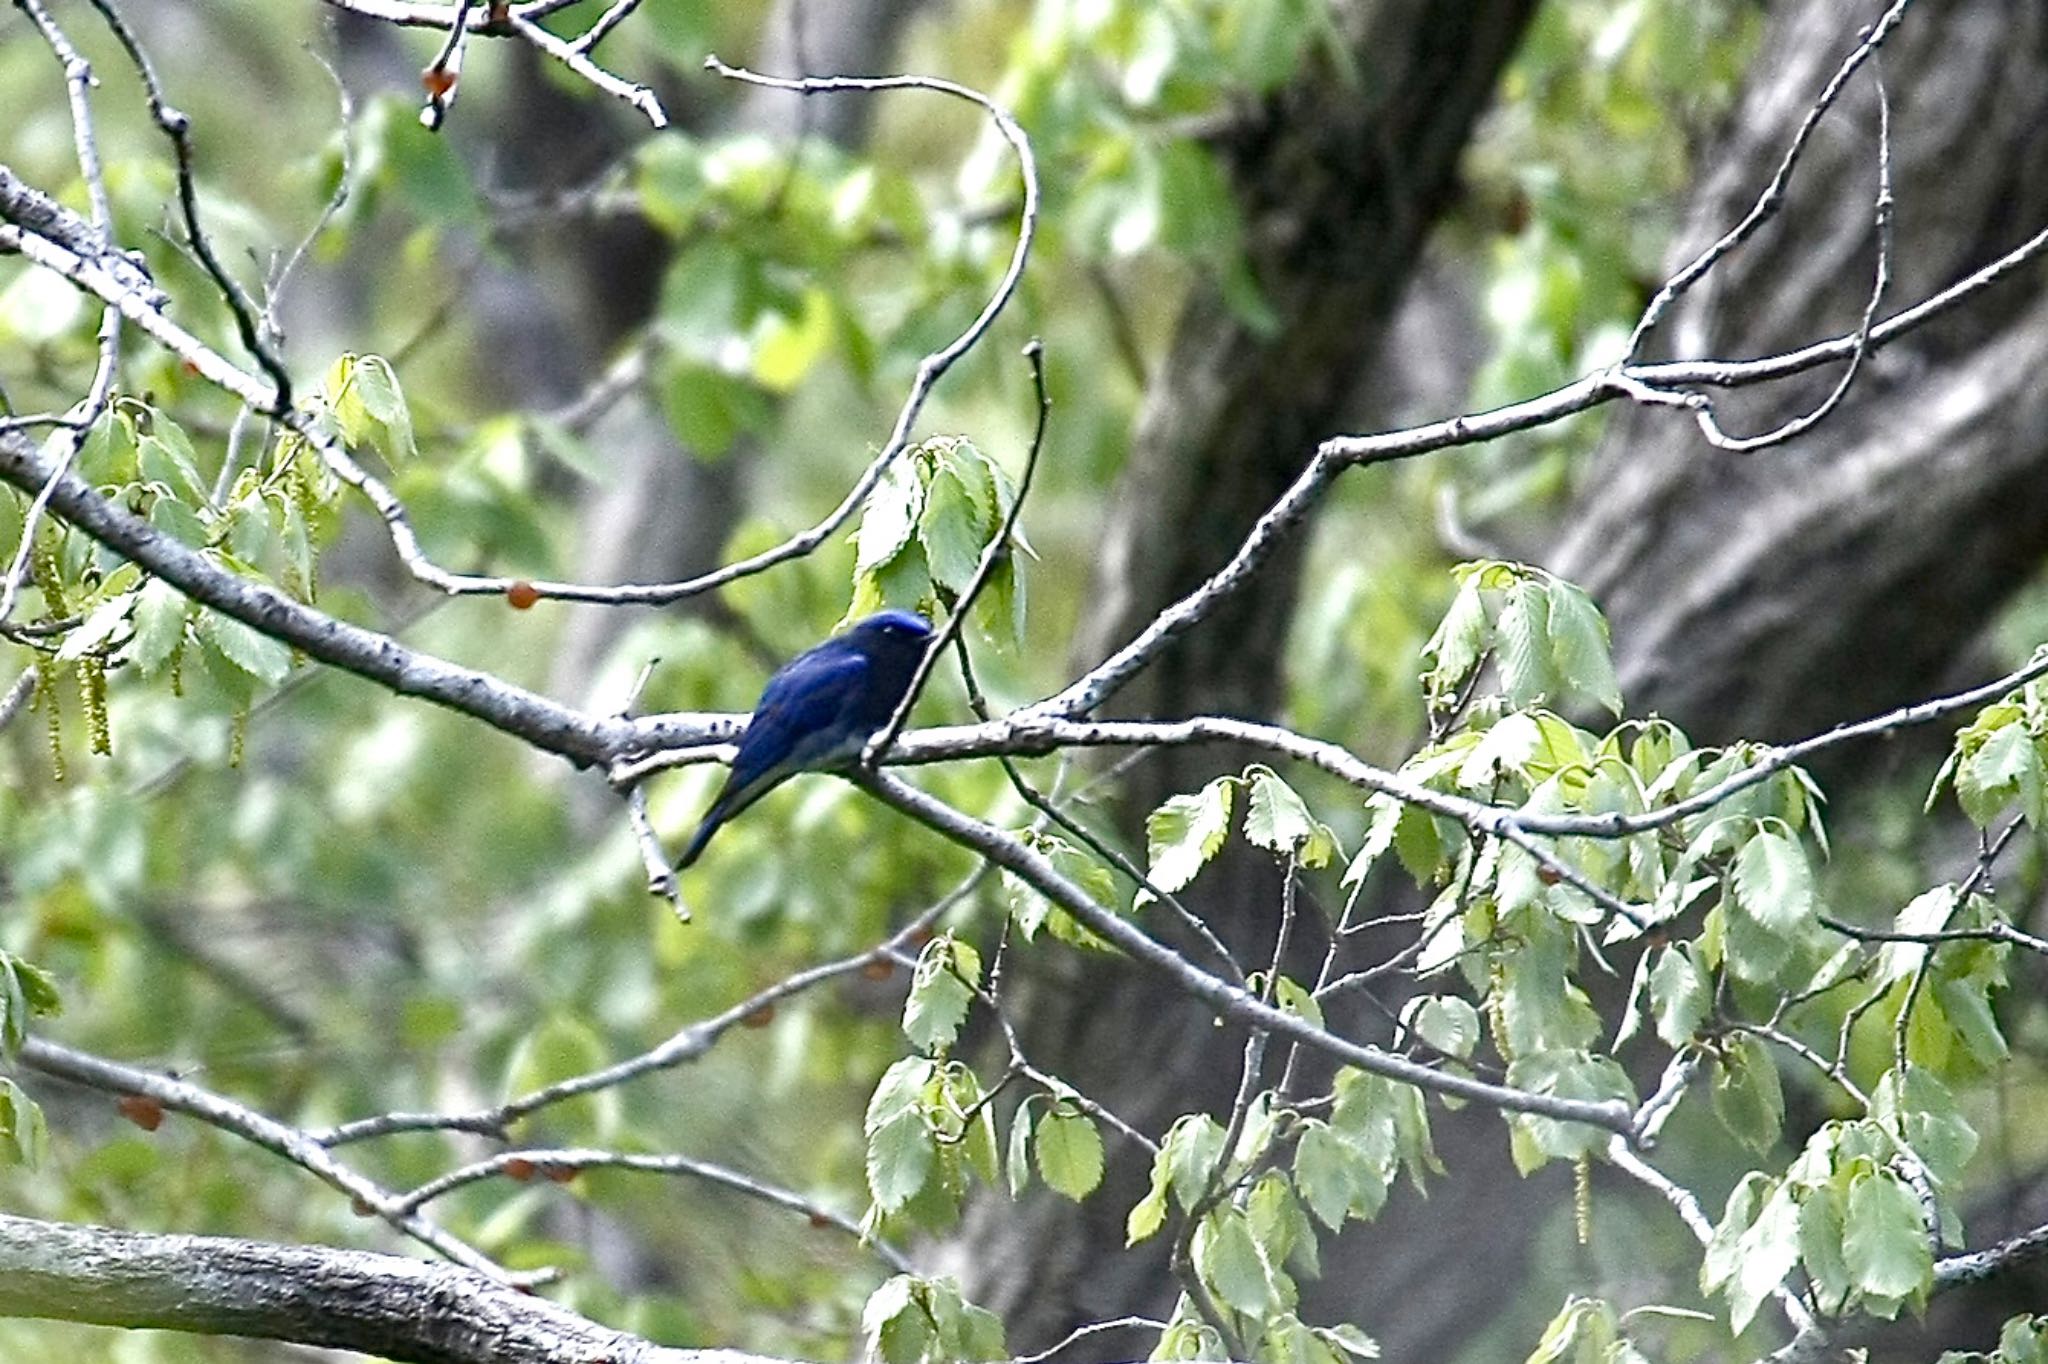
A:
(381, 1305)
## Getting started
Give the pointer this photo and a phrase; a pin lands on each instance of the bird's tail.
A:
(713, 817)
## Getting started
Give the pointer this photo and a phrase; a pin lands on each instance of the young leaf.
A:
(1774, 884)
(1069, 1152)
(1884, 1241)
(941, 988)
(1679, 995)
(258, 655)
(1279, 821)
(1579, 646)
(1527, 671)
(1232, 1263)
(1186, 831)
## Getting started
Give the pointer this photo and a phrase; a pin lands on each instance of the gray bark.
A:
(1340, 183)
(403, 1310)
(1773, 594)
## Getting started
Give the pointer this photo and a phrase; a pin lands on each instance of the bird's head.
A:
(895, 631)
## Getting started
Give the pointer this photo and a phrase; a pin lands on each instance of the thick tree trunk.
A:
(1341, 180)
(1769, 595)
(1773, 594)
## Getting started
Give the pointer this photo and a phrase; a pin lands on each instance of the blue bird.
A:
(819, 711)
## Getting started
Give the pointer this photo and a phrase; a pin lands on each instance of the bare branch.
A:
(380, 1305)
(289, 1143)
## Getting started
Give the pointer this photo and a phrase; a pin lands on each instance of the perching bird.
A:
(818, 711)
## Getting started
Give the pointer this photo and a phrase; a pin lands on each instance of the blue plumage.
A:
(819, 711)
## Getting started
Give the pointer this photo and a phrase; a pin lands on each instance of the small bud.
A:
(437, 81)
(878, 968)
(522, 594)
(519, 1169)
(145, 1112)
(759, 1018)
(560, 1174)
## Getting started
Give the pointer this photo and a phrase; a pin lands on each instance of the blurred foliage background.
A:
(329, 902)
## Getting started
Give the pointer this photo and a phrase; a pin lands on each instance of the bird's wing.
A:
(801, 717)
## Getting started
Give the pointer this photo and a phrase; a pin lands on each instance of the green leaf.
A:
(1017, 1167)
(1774, 884)
(1148, 1214)
(375, 386)
(1884, 1241)
(1326, 1172)
(1279, 821)
(1765, 1255)
(1446, 1022)
(1230, 1260)
(1185, 832)
(258, 655)
(1679, 995)
(24, 1137)
(941, 988)
(1527, 671)
(896, 1326)
(899, 1160)
(2004, 766)
(160, 612)
(951, 531)
(1379, 836)
(1193, 1146)
(1454, 650)
(1579, 646)
(1748, 1098)
(1069, 1152)
(889, 517)
(900, 1154)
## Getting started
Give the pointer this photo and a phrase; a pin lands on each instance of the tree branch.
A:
(397, 1309)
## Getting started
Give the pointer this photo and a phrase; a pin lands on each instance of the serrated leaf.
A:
(1278, 820)
(889, 517)
(1230, 1260)
(160, 612)
(1454, 650)
(256, 654)
(1579, 646)
(1679, 995)
(951, 531)
(899, 1160)
(941, 989)
(1186, 831)
(1774, 883)
(1069, 1152)
(1884, 1242)
(1527, 672)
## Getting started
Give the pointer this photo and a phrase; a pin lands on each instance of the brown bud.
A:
(145, 1112)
